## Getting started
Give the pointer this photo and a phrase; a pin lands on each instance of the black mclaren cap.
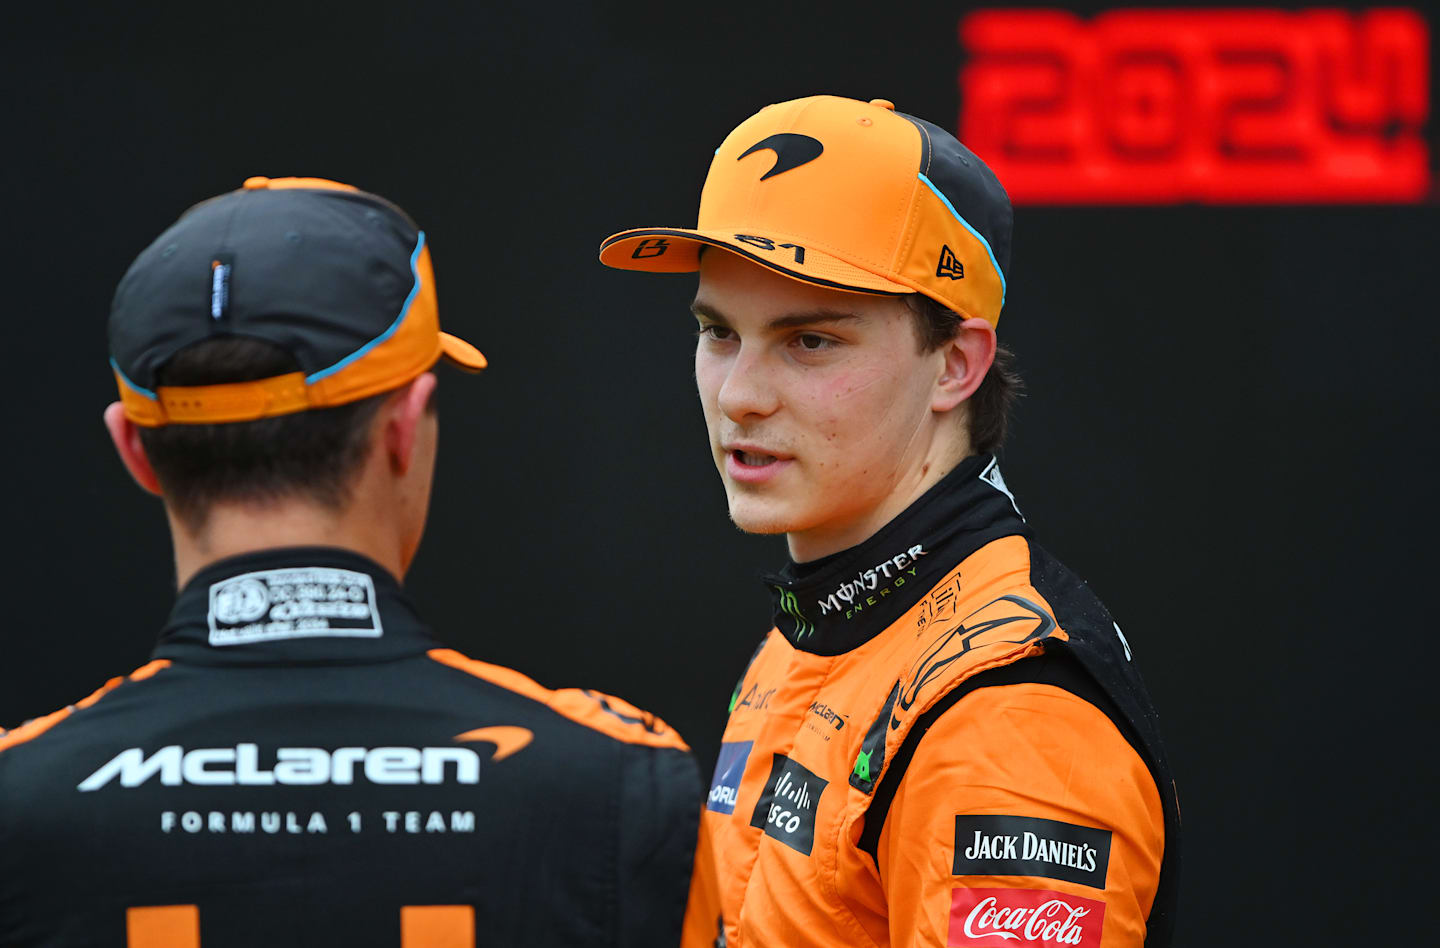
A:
(339, 278)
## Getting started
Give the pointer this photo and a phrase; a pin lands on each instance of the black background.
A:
(1227, 432)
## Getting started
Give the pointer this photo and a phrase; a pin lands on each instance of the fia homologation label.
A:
(293, 603)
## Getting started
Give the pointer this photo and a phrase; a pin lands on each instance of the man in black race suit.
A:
(302, 763)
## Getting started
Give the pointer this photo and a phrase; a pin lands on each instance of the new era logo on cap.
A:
(950, 265)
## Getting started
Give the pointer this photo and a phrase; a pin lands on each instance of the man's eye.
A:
(719, 333)
(811, 341)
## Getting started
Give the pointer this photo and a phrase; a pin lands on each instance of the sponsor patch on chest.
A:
(1024, 917)
(729, 768)
(787, 806)
(1028, 846)
(293, 603)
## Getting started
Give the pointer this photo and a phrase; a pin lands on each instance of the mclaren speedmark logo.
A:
(791, 151)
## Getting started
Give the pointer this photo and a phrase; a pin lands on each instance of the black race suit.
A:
(302, 764)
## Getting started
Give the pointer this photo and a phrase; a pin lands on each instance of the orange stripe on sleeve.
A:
(607, 714)
(163, 926)
(437, 926)
(149, 669)
(33, 729)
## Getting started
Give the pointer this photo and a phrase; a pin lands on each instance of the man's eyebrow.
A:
(788, 321)
(709, 312)
(810, 317)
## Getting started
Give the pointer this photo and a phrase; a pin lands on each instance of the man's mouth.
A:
(754, 459)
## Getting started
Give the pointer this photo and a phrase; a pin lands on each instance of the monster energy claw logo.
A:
(791, 607)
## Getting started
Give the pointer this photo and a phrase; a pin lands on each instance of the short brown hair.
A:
(992, 402)
(315, 454)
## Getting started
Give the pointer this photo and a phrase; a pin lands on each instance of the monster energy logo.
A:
(791, 607)
(853, 595)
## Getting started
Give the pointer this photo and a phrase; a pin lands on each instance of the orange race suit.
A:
(302, 763)
(943, 741)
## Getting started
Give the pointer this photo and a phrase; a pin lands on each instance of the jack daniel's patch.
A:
(1029, 846)
(294, 603)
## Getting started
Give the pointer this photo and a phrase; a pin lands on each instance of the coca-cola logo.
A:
(1039, 917)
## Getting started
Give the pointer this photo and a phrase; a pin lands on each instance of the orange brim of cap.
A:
(460, 353)
(262, 398)
(677, 250)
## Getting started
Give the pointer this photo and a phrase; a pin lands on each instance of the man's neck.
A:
(232, 529)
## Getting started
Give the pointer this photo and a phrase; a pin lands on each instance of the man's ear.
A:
(125, 435)
(401, 416)
(967, 358)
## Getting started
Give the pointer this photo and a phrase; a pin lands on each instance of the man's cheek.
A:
(709, 405)
(855, 389)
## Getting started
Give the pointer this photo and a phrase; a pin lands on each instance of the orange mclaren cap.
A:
(339, 278)
(850, 195)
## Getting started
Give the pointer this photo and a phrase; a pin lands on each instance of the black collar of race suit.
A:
(839, 602)
(293, 606)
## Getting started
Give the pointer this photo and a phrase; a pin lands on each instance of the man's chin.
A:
(766, 519)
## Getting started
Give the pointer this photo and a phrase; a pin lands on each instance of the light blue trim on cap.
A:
(966, 224)
(404, 311)
(131, 385)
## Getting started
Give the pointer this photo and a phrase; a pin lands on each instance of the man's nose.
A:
(749, 390)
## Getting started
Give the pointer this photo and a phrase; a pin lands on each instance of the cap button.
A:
(884, 104)
(257, 183)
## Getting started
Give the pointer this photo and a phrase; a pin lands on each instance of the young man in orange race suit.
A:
(943, 740)
(302, 763)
